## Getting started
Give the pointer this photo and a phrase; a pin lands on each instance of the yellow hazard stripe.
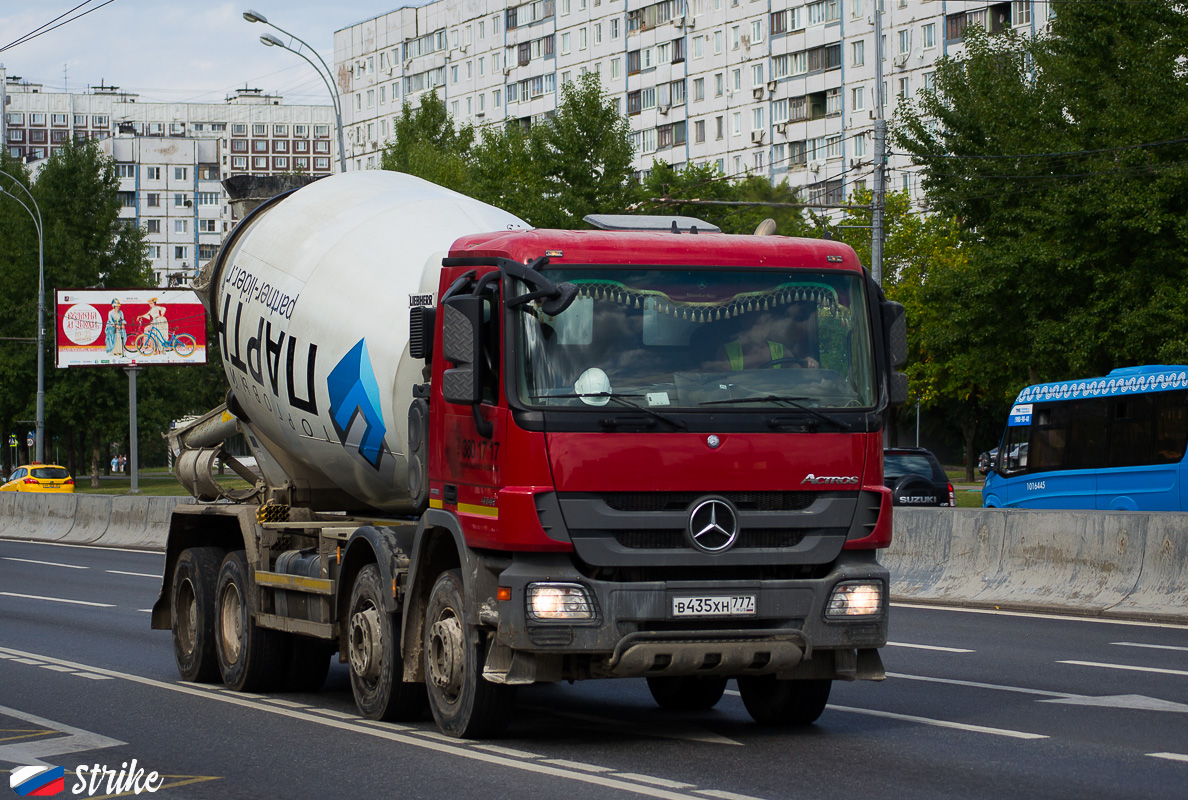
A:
(435, 504)
(483, 511)
(298, 582)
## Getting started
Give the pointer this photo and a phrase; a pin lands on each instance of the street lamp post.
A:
(327, 76)
(40, 430)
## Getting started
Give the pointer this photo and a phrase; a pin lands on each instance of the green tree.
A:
(425, 143)
(18, 303)
(1073, 202)
(702, 182)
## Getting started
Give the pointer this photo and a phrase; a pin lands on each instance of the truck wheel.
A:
(465, 705)
(771, 701)
(373, 651)
(687, 692)
(309, 664)
(251, 658)
(193, 604)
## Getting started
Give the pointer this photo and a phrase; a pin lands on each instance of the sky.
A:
(176, 50)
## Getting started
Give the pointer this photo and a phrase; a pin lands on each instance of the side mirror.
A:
(895, 339)
(461, 329)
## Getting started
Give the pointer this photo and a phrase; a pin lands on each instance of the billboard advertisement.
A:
(122, 327)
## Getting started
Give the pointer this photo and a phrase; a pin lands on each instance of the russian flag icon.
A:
(38, 781)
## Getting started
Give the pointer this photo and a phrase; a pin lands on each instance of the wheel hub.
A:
(231, 623)
(446, 662)
(366, 650)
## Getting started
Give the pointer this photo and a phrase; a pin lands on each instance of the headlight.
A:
(855, 599)
(559, 601)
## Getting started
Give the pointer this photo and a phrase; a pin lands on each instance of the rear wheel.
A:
(251, 658)
(771, 701)
(465, 704)
(377, 673)
(687, 692)
(193, 608)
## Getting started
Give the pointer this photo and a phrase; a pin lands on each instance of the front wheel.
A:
(465, 705)
(372, 649)
(183, 345)
(687, 692)
(771, 701)
(144, 345)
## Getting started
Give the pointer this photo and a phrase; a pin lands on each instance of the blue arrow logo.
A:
(354, 393)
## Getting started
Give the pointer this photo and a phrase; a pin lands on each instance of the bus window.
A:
(1086, 435)
(1171, 427)
(1049, 435)
(1013, 453)
(1131, 442)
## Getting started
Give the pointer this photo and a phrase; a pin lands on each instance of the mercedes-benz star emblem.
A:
(713, 525)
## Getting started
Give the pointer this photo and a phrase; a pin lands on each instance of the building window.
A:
(239, 162)
(280, 130)
(125, 170)
(207, 251)
(180, 173)
(59, 120)
(153, 225)
(699, 131)
(180, 252)
(928, 36)
(207, 198)
(208, 226)
(260, 162)
(153, 200)
(180, 201)
(181, 226)
(858, 98)
(128, 199)
(905, 42)
(321, 131)
(858, 53)
(259, 129)
(239, 129)
(152, 173)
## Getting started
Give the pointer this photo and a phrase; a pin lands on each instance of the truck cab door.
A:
(467, 475)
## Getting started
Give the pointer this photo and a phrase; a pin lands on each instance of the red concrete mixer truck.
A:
(488, 456)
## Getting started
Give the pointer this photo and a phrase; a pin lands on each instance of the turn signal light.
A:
(503, 593)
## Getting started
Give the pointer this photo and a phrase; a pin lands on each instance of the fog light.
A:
(559, 601)
(855, 599)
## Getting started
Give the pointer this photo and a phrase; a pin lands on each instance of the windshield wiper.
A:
(777, 398)
(621, 398)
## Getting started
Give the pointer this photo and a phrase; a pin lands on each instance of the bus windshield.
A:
(700, 340)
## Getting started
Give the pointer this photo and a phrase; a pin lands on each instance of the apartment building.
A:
(171, 157)
(786, 90)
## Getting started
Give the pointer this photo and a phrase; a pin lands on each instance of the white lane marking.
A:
(561, 762)
(157, 553)
(29, 661)
(134, 574)
(56, 668)
(977, 685)
(930, 647)
(940, 723)
(76, 740)
(1152, 646)
(1126, 667)
(454, 749)
(997, 612)
(724, 795)
(329, 712)
(43, 563)
(507, 751)
(287, 703)
(57, 600)
(1132, 702)
(1170, 756)
(388, 726)
(94, 677)
(145, 610)
(632, 776)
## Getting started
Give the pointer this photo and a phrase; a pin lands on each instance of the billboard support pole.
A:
(132, 443)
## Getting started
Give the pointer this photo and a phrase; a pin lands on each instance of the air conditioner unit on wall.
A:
(758, 136)
(757, 92)
(663, 109)
(771, 86)
(901, 59)
(782, 128)
(814, 166)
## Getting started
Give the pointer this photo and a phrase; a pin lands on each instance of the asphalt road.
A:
(977, 705)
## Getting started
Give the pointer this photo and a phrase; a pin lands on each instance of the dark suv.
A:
(916, 478)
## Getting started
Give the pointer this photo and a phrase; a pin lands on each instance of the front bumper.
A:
(634, 631)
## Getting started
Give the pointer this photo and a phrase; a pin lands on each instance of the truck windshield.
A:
(698, 340)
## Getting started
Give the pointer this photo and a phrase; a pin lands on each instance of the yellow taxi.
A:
(39, 478)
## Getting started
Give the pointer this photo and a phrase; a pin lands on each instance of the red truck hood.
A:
(617, 462)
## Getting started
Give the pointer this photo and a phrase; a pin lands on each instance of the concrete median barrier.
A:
(91, 516)
(42, 517)
(7, 507)
(1126, 564)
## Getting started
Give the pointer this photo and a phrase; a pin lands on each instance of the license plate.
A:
(734, 606)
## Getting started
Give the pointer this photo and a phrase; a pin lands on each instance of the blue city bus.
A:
(1113, 443)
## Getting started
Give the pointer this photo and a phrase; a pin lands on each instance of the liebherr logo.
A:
(830, 479)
